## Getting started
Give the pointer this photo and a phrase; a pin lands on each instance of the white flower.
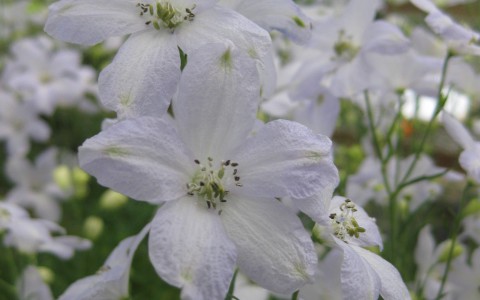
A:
(363, 274)
(35, 235)
(111, 281)
(34, 185)
(217, 180)
(458, 38)
(18, 123)
(470, 157)
(31, 286)
(282, 15)
(46, 78)
(151, 54)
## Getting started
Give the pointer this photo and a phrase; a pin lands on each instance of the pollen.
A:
(162, 14)
(344, 223)
(210, 180)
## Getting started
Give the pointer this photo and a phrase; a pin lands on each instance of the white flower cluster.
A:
(224, 114)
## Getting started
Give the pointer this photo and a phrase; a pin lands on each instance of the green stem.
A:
(454, 234)
(231, 288)
(440, 104)
(295, 295)
(8, 289)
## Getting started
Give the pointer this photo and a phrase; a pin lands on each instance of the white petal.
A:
(217, 100)
(282, 15)
(457, 131)
(274, 249)
(285, 158)
(218, 25)
(359, 280)
(189, 248)
(143, 77)
(31, 285)
(470, 161)
(91, 21)
(142, 158)
(392, 285)
(385, 38)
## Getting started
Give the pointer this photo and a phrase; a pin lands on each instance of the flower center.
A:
(209, 182)
(344, 223)
(344, 47)
(163, 15)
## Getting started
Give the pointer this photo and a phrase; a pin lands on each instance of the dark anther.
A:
(227, 162)
(235, 172)
(190, 193)
(234, 164)
(197, 161)
(201, 183)
(209, 204)
(237, 178)
(223, 200)
(148, 22)
(332, 216)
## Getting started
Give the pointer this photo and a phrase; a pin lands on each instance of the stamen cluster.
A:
(165, 15)
(209, 183)
(345, 223)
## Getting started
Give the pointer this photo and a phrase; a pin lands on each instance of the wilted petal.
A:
(143, 77)
(285, 158)
(91, 21)
(142, 158)
(189, 248)
(274, 249)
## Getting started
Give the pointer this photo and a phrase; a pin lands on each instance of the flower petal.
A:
(189, 248)
(392, 285)
(88, 22)
(217, 100)
(359, 280)
(286, 159)
(282, 15)
(274, 249)
(152, 59)
(457, 131)
(142, 158)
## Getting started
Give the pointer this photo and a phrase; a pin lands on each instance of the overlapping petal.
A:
(88, 22)
(142, 158)
(285, 158)
(143, 77)
(189, 248)
(217, 100)
(274, 249)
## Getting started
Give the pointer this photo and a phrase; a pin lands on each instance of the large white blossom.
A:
(151, 54)
(218, 180)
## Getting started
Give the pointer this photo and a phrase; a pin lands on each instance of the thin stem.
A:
(440, 104)
(295, 295)
(231, 288)
(454, 234)
(7, 288)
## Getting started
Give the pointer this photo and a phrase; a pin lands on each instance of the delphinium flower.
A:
(111, 281)
(32, 236)
(151, 54)
(344, 40)
(18, 124)
(470, 157)
(218, 180)
(31, 285)
(363, 274)
(367, 184)
(458, 38)
(46, 77)
(34, 187)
